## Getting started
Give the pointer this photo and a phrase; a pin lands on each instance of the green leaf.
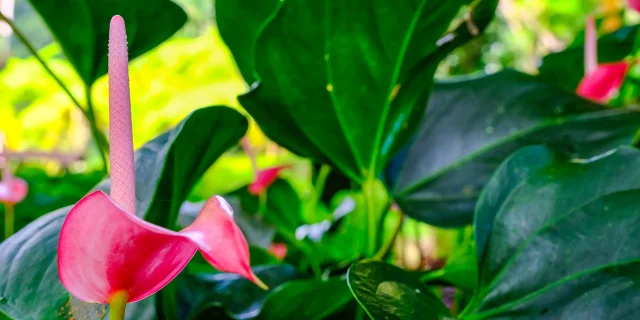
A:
(82, 28)
(559, 242)
(306, 299)
(566, 68)
(472, 125)
(200, 296)
(29, 282)
(346, 68)
(388, 292)
(239, 23)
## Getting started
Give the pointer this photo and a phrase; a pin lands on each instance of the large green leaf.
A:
(82, 28)
(239, 23)
(306, 299)
(29, 282)
(566, 68)
(558, 240)
(347, 68)
(472, 125)
(388, 292)
(200, 296)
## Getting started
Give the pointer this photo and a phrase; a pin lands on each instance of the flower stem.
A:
(9, 220)
(369, 197)
(384, 250)
(117, 305)
(97, 135)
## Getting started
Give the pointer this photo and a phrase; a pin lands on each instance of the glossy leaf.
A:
(82, 28)
(315, 81)
(388, 292)
(565, 69)
(471, 126)
(29, 283)
(571, 255)
(306, 299)
(239, 23)
(200, 296)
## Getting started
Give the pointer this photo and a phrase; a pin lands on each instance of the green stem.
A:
(384, 250)
(369, 189)
(117, 305)
(321, 180)
(101, 141)
(9, 220)
(97, 136)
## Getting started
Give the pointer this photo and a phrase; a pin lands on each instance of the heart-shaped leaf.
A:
(471, 126)
(388, 292)
(82, 28)
(200, 296)
(557, 239)
(29, 283)
(353, 78)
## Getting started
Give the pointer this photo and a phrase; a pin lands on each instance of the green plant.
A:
(547, 179)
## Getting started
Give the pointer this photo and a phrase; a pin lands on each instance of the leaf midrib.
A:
(394, 79)
(510, 138)
(547, 288)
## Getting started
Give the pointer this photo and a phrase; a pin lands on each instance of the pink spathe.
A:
(264, 178)
(634, 4)
(104, 248)
(602, 84)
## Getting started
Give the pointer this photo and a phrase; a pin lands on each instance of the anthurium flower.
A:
(12, 189)
(278, 250)
(634, 4)
(263, 177)
(106, 254)
(601, 81)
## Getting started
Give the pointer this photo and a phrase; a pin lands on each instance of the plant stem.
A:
(384, 250)
(9, 220)
(117, 305)
(97, 136)
(321, 180)
(101, 141)
(369, 196)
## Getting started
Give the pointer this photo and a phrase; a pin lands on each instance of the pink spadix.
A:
(601, 82)
(105, 251)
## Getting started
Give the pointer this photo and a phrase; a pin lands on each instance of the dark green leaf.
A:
(560, 242)
(471, 126)
(346, 77)
(388, 292)
(306, 299)
(29, 282)
(202, 295)
(565, 69)
(239, 23)
(82, 28)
